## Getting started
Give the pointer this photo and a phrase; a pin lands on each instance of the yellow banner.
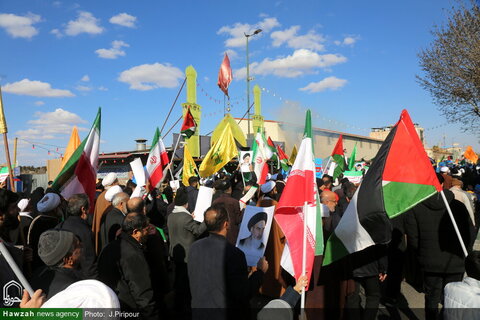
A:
(189, 166)
(220, 154)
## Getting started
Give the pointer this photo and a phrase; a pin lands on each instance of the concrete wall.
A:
(324, 140)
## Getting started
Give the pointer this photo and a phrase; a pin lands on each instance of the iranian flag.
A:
(339, 158)
(157, 160)
(189, 125)
(390, 187)
(260, 156)
(79, 174)
(300, 203)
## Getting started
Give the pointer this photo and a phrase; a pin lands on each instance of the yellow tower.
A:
(257, 117)
(194, 142)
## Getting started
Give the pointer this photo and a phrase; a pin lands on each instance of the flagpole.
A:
(173, 155)
(9, 164)
(326, 167)
(304, 253)
(465, 252)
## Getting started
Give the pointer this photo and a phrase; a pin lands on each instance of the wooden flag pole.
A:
(9, 164)
(465, 252)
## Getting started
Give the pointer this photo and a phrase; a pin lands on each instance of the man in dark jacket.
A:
(112, 220)
(218, 273)
(77, 212)
(235, 216)
(123, 267)
(60, 250)
(192, 191)
(431, 234)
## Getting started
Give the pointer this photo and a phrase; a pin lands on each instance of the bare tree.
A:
(451, 66)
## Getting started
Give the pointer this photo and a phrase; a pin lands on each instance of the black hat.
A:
(256, 219)
(181, 198)
(222, 185)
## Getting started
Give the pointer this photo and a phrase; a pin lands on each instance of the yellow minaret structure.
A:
(257, 117)
(194, 142)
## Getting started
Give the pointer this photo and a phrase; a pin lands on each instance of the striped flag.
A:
(260, 156)
(157, 160)
(390, 187)
(189, 125)
(79, 174)
(283, 158)
(339, 158)
(290, 214)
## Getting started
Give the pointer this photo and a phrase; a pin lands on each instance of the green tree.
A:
(451, 66)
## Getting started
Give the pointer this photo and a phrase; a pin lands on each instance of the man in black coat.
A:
(431, 234)
(123, 267)
(112, 220)
(61, 251)
(192, 191)
(76, 222)
(218, 273)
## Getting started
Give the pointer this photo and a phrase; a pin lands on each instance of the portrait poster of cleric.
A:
(254, 230)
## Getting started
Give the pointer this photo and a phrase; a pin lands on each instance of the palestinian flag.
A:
(390, 187)
(339, 158)
(79, 174)
(283, 158)
(351, 160)
(189, 125)
(260, 157)
(157, 160)
(300, 201)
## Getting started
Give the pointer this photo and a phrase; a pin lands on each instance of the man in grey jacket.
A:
(183, 232)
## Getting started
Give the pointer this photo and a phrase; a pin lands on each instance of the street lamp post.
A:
(248, 78)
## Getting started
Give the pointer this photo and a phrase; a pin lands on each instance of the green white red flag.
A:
(283, 158)
(300, 193)
(157, 160)
(189, 125)
(390, 187)
(260, 156)
(79, 174)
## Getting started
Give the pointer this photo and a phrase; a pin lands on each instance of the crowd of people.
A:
(150, 257)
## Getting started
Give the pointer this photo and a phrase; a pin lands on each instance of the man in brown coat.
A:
(273, 283)
(101, 207)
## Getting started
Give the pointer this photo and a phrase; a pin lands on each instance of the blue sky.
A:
(352, 62)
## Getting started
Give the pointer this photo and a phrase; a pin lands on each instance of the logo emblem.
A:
(153, 160)
(12, 293)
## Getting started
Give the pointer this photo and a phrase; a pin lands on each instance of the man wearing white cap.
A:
(447, 183)
(101, 206)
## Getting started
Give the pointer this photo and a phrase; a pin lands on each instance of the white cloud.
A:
(151, 76)
(83, 88)
(39, 103)
(85, 23)
(301, 62)
(347, 41)
(47, 125)
(311, 40)
(85, 78)
(35, 88)
(114, 52)
(232, 54)
(102, 88)
(19, 26)
(124, 19)
(57, 33)
(332, 83)
(237, 31)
